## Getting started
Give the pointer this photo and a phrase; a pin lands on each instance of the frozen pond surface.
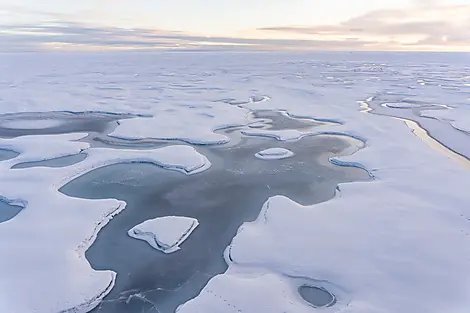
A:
(7, 154)
(222, 198)
(318, 297)
(8, 211)
(270, 120)
(42, 123)
(57, 162)
(406, 108)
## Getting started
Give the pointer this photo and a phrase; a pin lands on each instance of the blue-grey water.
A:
(57, 162)
(7, 154)
(259, 119)
(454, 139)
(222, 198)
(318, 297)
(8, 211)
(68, 122)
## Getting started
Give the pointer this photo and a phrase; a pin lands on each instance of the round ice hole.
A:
(317, 296)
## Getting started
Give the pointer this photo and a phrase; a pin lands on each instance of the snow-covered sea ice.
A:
(177, 134)
(221, 199)
(165, 233)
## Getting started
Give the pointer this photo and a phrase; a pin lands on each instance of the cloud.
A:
(64, 35)
(427, 3)
(424, 27)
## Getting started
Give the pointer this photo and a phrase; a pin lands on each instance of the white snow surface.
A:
(44, 147)
(252, 292)
(165, 233)
(45, 243)
(401, 105)
(274, 154)
(283, 135)
(399, 243)
(194, 129)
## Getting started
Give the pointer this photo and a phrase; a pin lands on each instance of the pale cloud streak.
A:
(433, 27)
(425, 27)
(78, 36)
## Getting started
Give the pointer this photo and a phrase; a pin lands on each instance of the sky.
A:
(408, 25)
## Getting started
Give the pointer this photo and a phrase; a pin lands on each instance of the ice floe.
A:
(402, 105)
(373, 269)
(165, 233)
(184, 125)
(274, 153)
(59, 260)
(44, 147)
(283, 135)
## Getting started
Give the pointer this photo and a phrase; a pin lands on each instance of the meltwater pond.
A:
(316, 296)
(269, 120)
(404, 107)
(57, 162)
(222, 198)
(7, 154)
(46, 123)
(280, 120)
(8, 211)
